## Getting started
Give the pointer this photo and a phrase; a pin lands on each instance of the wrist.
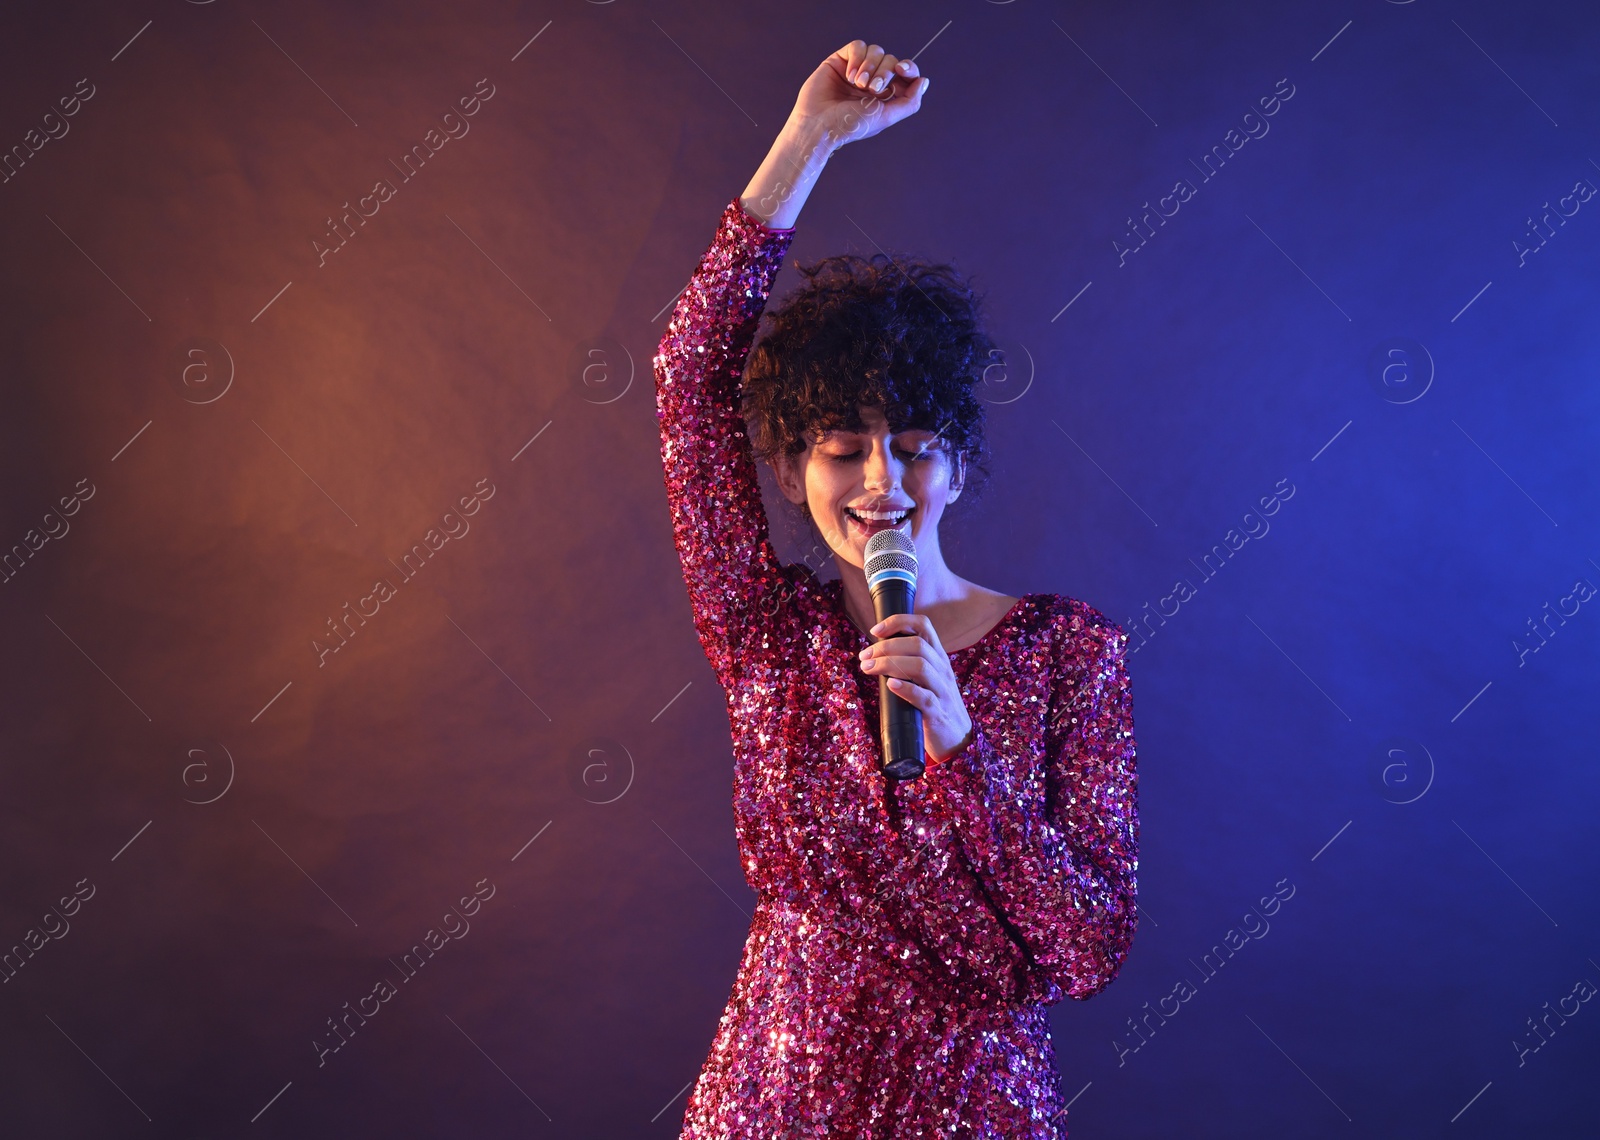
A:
(780, 187)
(962, 746)
(805, 141)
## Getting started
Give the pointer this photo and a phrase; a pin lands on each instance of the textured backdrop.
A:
(362, 774)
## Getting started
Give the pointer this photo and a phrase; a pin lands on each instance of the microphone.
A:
(891, 566)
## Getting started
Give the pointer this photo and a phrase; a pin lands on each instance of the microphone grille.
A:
(890, 554)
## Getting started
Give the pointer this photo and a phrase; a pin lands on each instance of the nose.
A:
(882, 473)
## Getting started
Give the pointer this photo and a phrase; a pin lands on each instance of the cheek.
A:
(932, 485)
(825, 489)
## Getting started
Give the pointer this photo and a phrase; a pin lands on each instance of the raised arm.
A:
(852, 95)
(719, 524)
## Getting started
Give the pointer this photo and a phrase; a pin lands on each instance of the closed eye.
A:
(851, 457)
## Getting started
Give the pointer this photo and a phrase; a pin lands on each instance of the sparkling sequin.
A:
(907, 938)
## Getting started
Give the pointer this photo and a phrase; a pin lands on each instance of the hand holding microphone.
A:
(920, 706)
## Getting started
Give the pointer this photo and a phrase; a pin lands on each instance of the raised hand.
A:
(853, 94)
(858, 91)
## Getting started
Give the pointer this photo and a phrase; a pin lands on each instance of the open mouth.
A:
(871, 522)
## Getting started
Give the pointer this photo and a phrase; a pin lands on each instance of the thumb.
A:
(905, 104)
(914, 96)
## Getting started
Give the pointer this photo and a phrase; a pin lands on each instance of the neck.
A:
(936, 585)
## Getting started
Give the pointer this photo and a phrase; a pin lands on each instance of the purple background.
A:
(532, 712)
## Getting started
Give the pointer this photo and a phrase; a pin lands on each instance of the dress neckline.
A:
(1005, 620)
(865, 638)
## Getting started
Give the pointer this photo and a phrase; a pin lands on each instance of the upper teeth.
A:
(880, 516)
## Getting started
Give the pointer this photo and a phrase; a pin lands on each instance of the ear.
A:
(788, 469)
(958, 479)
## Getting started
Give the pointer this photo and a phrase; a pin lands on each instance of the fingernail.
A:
(877, 84)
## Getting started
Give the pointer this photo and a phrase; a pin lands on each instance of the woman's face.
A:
(857, 483)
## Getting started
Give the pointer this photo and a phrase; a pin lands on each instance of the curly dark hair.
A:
(900, 334)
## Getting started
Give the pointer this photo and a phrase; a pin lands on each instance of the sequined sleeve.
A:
(719, 523)
(1059, 856)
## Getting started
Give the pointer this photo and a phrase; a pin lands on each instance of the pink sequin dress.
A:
(907, 938)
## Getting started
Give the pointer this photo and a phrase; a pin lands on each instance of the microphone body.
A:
(891, 566)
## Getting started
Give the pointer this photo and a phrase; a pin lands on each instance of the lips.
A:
(871, 522)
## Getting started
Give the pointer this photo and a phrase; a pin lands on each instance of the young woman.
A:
(907, 936)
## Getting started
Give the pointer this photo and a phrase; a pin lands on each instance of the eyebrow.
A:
(829, 433)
